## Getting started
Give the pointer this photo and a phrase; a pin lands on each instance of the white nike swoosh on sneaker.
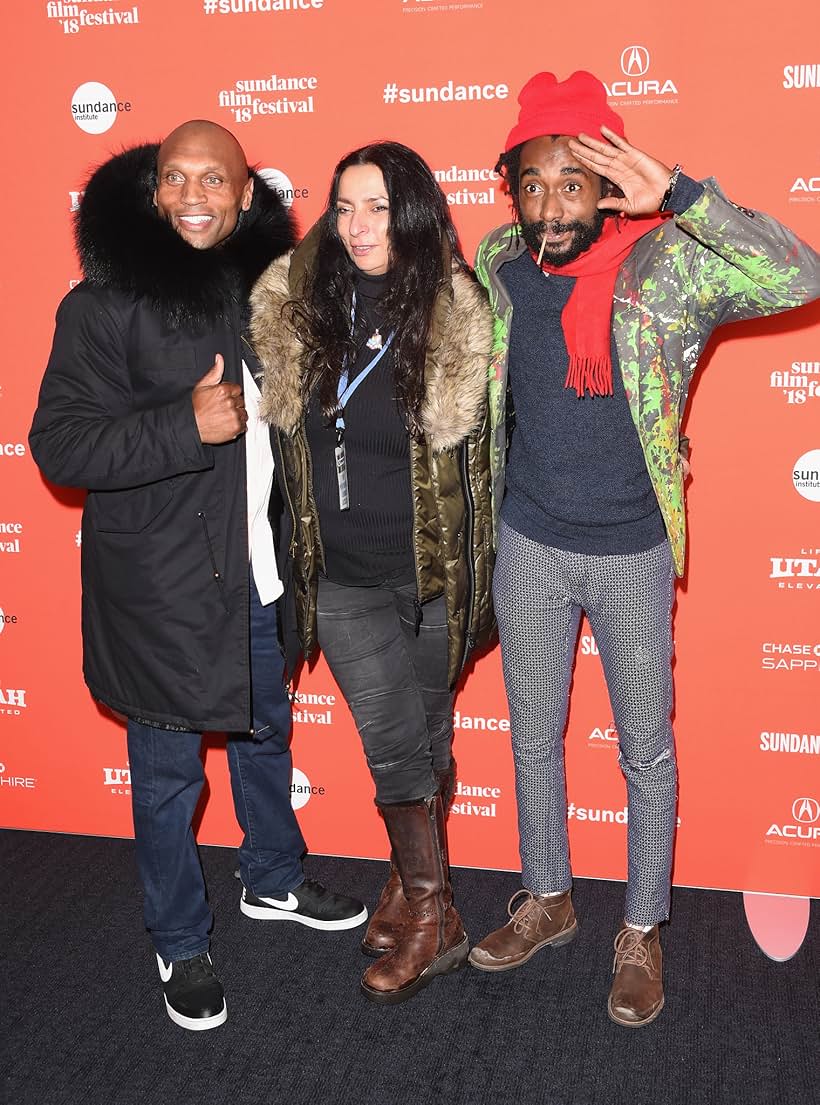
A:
(291, 903)
(164, 972)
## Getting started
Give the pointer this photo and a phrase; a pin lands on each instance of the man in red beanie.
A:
(606, 289)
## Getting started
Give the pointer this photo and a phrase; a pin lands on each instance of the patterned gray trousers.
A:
(539, 595)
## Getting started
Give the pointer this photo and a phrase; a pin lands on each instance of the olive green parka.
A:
(449, 467)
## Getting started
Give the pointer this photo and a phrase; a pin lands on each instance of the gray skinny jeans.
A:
(539, 595)
(393, 680)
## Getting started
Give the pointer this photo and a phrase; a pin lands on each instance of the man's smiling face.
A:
(202, 183)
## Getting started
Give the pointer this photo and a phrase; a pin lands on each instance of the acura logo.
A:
(806, 811)
(634, 61)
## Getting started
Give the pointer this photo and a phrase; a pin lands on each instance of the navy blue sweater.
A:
(576, 475)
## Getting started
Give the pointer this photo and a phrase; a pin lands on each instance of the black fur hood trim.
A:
(124, 245)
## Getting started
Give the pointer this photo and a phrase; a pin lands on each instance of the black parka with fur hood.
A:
(450, 469)
(164, 532)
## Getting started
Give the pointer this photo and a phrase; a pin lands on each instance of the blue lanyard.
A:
(344, 390)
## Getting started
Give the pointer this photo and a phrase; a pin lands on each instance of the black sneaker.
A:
(309, 904)
(194, 997)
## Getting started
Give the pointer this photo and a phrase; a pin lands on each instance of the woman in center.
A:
(376, 341)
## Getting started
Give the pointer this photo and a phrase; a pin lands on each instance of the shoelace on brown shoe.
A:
(630, 948)
(522, 916)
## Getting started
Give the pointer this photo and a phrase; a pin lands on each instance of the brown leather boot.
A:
(391, 912)
(388, 918)
(540, 921)
(433, 941)
(636, 997)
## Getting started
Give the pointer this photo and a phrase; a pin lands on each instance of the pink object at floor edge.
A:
(777, 922)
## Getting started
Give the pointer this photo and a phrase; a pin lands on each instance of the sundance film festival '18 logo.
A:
(312, 708)
(796, 573)
(94, 107)
(262, 96)
(10, 536)
(475, 800)
(77, 17)
(798, 384)
(636, 87)
(482, 192)
(804, 827)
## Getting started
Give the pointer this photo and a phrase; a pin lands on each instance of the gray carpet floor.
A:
(83, 1019)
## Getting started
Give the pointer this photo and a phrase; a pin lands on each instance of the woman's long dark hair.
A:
(423, 244)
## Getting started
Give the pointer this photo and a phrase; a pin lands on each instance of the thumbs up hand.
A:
(219, 408)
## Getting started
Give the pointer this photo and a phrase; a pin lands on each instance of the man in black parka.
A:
(149, 401)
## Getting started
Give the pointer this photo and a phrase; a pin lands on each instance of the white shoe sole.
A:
(197, 1024)
(269, 913)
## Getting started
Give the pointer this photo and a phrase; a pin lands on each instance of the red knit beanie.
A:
(550, 106)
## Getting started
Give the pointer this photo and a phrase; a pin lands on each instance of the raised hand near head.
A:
(642, 179)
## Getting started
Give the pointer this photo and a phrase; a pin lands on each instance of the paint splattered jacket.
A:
(713, 263)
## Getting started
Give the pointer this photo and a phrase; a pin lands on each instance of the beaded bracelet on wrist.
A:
(670, 188)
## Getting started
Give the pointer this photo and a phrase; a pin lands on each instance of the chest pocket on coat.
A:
(131, 510)
(165, 373)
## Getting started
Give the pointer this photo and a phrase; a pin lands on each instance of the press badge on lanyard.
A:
(344, 392)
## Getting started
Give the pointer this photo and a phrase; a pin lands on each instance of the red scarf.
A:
(586, 318)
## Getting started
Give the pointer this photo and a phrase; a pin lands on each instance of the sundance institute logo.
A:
(806, 475)
(282, 185)
(94, 107)
(301, 790)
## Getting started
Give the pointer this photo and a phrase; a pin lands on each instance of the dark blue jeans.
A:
(166, 780)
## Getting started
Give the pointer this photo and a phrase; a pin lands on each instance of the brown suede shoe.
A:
(636, 997)
(539, 921)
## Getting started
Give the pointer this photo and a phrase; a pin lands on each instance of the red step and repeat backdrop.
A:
(300, 82)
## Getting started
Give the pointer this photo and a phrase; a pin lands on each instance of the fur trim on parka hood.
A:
(456, 370)
(125, 245)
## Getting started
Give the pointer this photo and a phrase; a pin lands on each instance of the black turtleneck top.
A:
(371, 542)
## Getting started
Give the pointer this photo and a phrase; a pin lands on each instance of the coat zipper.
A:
(469, 640)
(217, 574)
(419, 613)
(311, 502)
